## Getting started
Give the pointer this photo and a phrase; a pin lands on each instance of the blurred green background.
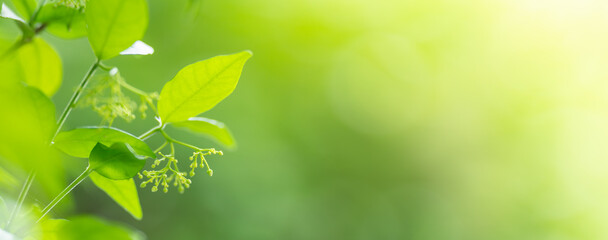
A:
(434, 119)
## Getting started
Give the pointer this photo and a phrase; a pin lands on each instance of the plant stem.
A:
(24, 190)
(149, 133)
(172, 140)
(65, 192)
(36, 12)
(75, 97)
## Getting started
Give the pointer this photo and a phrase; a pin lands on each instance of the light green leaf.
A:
(85, 227)
(6, 12)
(116, 162)
(124, 192)
(212, 128)
(37, 64)
(138, 48)
(200, 86)
(114, 25)
(63, 20)
(79, 142)
(26, 7)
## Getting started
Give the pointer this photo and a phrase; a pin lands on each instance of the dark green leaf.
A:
(117, 162)
(114, 25)
(212, 128)
(79, 142)
(124, 192)
(200, 86)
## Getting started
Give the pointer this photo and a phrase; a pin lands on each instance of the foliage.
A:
(32, 73)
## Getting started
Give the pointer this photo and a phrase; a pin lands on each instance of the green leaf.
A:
(124, 192)
(200, 86)
(35, 63)
(212, 128)
(79, 142)
(116, 162)
(65, 21)
(138, 48)
(114, 25)
(85, 227)
(26, 7)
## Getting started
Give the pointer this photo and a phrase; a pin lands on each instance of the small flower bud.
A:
(154, 188)
(210, 172)
(143, 184)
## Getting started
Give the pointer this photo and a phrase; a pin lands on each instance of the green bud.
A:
(210, 172)
(154, 188)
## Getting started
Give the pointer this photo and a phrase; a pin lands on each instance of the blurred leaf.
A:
(7, 180)
(114, 25)
(212, 128)
(35, 63)
(62, 20)
(115, 162)
(85, 227)
(124, 192)
(49, 229)
(200, 86)
(6, 12)
(138, 48)
(79, 142)
(26, 7)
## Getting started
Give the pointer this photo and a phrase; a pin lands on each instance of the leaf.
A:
(212, 128)
(35, 63)
(26, 7)
(116, 162)
(65, 21)
(200, 86)
(114, 25)
(124, 192)
(79, 142)
(85, 227)
(6, 12)
(138, 48)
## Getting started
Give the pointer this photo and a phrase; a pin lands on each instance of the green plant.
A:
(31, 74)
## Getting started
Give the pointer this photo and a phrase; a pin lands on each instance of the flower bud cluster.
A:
(203, 162)
(165, 176)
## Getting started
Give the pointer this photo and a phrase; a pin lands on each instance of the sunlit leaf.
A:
(85, 227)
(116, 162)
(124, 192)
(63, 20)
(114, 25)
(138, 48)
(79, 142)
(200, 86)
(35, 63)
(209, 127)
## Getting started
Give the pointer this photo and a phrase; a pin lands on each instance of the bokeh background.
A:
(404, 119)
